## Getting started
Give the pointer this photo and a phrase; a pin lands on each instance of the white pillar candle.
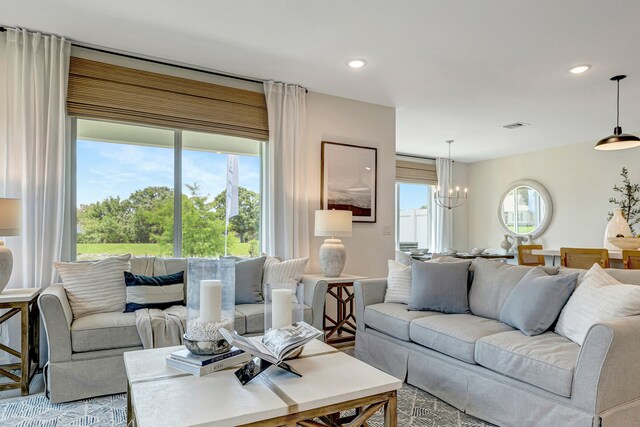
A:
(210, 301)
(280, 308)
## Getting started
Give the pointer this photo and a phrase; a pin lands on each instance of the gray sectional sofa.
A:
(85, 355)
(494, 372)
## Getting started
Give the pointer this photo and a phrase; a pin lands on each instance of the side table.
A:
(342, 328)
(22, 301)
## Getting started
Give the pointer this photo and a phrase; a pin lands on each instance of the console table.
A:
(23, 302)
(342, 328)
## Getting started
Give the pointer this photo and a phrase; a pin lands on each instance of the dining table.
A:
(466, 255)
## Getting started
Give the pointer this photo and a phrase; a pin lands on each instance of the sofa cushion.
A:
(95, 287)
(546, 361)
(153, 291)
(536, 301)
(440, 287)
(454, 334)
(393, 319)
(492, 283)
(103, 331)
(600, 297)
(398, 283)
(249, 280)
(254, 317)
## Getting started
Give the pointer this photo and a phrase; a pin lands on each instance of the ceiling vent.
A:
(515, 125)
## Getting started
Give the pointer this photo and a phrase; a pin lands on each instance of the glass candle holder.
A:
(283, 305)
(210, 304)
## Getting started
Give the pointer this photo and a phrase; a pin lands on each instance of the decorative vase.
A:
(506, 244)
(617, 225)
(517, 242)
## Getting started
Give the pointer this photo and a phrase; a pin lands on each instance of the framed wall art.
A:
(349, 179)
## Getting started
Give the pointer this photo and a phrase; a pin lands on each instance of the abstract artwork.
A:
(348, 179)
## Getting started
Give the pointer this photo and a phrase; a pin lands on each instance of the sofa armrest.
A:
(57, 317)
(367, 292)
(315, 292)
(608, 370)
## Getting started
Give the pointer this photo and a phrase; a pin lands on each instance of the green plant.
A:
(254, 248)
(629, 201)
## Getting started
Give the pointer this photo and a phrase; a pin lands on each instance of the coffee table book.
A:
(210, 368)
(187, 357)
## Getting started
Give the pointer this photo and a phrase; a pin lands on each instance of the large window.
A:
(413, 217)
(126, 178)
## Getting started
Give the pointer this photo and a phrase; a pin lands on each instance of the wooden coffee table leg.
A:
(391, 411)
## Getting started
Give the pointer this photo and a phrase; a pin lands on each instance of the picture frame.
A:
(349, 179)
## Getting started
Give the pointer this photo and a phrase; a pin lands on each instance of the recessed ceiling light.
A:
(357, 63)
(579, 69)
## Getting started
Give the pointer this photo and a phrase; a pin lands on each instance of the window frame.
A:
(177, 183)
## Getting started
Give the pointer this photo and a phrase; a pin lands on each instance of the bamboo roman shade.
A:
(416, 172)
(105, 91)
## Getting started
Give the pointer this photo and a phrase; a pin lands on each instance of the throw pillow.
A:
(599, 297)
(284, 274)
(439, 287)
(249, 280)
(95, 287)
(535, 303)
(153, 291)
(398, 283)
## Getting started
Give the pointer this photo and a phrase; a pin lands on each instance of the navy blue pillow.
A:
(153, 291)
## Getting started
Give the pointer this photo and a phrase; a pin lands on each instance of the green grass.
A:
(87, 251)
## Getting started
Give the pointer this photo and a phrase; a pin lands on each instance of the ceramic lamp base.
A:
(333, 255)
(6, 265)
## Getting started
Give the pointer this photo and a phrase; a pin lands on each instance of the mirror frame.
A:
(546, 198)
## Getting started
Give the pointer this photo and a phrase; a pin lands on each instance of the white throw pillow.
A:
(284, 274)
(598, 298)
(95, 287)
(398, 283)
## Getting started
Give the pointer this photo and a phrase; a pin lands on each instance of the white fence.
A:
(415, 226)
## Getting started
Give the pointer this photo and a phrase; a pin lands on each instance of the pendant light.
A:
(451, 199)
(619, 140)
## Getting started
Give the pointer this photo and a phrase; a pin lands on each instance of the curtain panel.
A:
(285, 221)
(105, 91)
(442, 223)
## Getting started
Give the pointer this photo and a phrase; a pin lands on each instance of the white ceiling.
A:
(454, 69)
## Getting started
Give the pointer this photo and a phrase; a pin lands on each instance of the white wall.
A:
(335, 119)
(578, 178)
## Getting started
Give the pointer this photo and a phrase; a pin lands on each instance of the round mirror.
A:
(525, 208)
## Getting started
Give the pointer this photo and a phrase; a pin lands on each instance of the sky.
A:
(413, 196)
(108, 169)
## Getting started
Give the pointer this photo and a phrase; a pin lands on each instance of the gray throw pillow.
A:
(536, 301)
(439, 287)
(249, 280)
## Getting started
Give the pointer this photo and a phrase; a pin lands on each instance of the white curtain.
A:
(36, 69)
(285, 221)
(442, 224)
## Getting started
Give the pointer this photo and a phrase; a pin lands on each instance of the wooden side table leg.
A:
(24, 353)
(391, 411)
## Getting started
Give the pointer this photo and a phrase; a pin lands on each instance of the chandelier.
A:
(450, 199)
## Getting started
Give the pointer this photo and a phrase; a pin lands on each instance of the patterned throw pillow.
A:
(599, 297)
(398, 283)
(153, 291)
(284, 274)
(95, 287)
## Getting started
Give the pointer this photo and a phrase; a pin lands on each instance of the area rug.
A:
(415, 409)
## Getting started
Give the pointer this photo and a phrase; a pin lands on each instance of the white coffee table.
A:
(331, 382)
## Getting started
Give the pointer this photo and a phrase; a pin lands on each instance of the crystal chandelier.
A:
(450, 199)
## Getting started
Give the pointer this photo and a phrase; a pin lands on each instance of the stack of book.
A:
(203, 365)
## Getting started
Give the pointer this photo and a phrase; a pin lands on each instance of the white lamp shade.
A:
(9, 217)
(333, 223)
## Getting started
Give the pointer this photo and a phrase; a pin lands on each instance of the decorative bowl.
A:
(449, 251)
(206, 348)
(415, 252)
(424, 251)
(625, 242)
(477, 251)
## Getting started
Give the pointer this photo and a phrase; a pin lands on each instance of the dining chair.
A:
(631, 259)
(525, 257)
(584, 257)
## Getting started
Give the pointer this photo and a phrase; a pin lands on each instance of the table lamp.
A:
(9, 226)
(332, 252)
